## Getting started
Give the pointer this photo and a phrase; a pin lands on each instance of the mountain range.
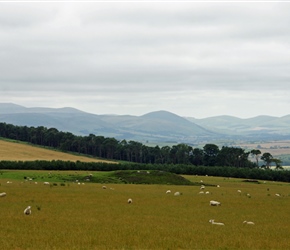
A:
(154, 127)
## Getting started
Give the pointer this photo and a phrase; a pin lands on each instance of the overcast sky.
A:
(191, 58)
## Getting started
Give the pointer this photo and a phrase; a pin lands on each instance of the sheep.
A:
(218, 186)
(168, 191)
(214, 203)
(248, 222)
(104, 187)
(216, 223)
(2, 194)
(278, 195)
(46, 183)
(239, 191)
(201, 192)
(202, 187)
(207, 192)
(130, 201)
(27, 211)
(177, 193)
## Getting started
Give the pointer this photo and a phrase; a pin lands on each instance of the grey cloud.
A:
(98, 49)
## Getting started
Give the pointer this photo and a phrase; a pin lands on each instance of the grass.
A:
(89, 217)
(15, 151)
(125, 176)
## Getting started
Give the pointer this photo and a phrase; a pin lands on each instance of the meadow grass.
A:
(89, 217)
(16, 151)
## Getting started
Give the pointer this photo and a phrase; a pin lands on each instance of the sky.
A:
(194, 59)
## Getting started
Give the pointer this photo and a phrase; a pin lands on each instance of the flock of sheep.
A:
(27, 210)
(214, 203)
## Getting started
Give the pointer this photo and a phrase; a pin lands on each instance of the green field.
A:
(86, 216)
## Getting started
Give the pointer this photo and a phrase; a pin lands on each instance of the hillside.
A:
(158, 127)
(13, 151)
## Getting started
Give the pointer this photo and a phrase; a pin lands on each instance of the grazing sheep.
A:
(249, 222)
(202, 187)
(2, 194)
(27, 210)
(104, 187)
(177, 193)
(218, 186)
(201, 192)
(207, 192)
(168, 191)
(239, 191)
(46, 183)
(279, 195)
(216, 223)
(130, 201)
(9, 182)
(214, 203)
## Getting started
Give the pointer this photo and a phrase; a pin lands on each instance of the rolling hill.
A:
(13, 151)
(154, 127)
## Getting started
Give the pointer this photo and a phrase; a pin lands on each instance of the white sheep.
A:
(216, 223)
(27, 210)
(249, 222)
(177, 193)
(201, 192)
(278, 195)
(202, 187)
(104, 187)
(46, 183)
(239, 191)
(207, 192)
(130, 201)
(214, 203)
(168, 191)
(2, 194)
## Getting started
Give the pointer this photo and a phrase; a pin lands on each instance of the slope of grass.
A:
(151, 177)
(15, 151)
(121, 177)
(89, 217)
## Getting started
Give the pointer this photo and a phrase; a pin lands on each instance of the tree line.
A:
(132, 151)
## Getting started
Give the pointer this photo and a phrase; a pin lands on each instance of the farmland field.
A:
(12, 151)
(86, 216)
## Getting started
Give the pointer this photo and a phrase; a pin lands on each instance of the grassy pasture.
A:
(15, 151)
(89, 217)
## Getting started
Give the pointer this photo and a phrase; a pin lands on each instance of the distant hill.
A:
(157, 126)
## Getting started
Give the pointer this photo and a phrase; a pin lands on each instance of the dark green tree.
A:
(256, 153)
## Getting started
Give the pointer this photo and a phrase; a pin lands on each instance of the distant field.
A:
(273, 147)
(13, 151)
(86, 216)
